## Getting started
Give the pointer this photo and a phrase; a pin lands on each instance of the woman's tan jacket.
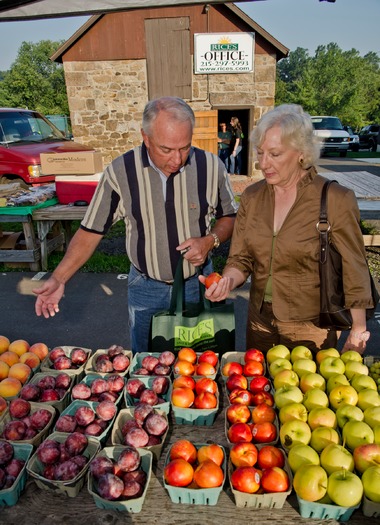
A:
(295, 270)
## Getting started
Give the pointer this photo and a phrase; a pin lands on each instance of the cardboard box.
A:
(76, 187)
(74, 163)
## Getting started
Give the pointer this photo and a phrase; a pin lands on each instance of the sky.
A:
(294, 23)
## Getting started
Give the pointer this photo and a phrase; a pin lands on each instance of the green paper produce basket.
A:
(88, 380)
(137, 363)
(196, 416)
(127, 505)
(38, 438)
(10, 496)
(268, 500)
(370, 508)
(78, 373)
(198, 496)
(313, 509)
(73, 407)
(89, 367)
(72, 487)
(60, 404)
(130, 401)
(126, 414)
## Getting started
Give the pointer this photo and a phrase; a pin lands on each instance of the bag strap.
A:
(323, 226)
(176, 302)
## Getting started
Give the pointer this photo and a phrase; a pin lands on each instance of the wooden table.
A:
(41, 507)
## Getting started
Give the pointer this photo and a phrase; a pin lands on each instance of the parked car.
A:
(354, 139)
(24, 135)
(368, 137)
(332, 135)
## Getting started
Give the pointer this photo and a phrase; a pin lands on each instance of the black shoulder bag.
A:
(333, 313)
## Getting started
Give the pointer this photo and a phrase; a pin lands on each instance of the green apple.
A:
(356, 433)
(336, 457)
(326, 352)
(312, 380)
(351, 355)
(335, 380)
(321, 417)
(368, 398)
(326, 500)
(294, 433)
(287, 394)
(343, 395)
(355, 367)
(302, 455)
(346, 413)
(292, 411)
(372, 416)
(314, 398)
(278, 365)
(285, 377)
(310, 482)
(371, 484)
(302, 366)
(277, 351)
(345, 488)
(300, 352)
(323, 436)
(330, 366)
(361, 381)
(365, 456)
(376, 433)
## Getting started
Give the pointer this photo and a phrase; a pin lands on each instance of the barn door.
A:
(206, 131)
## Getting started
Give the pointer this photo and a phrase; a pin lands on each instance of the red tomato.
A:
(214, 277)
(274, 479)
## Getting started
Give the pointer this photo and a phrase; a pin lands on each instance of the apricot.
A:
(39, 349)
(10, 387)
(4, 370)
(9, 357)
(20, 371)
(30, 359)
(19, 346)
(4, 343)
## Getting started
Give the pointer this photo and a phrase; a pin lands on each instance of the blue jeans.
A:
(224, 155)
(236, 159)
(146, 297)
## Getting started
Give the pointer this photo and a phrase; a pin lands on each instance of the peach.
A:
(9, 357)
(20, 371)
(30, 359)
(19, 346)
(4, 370)
(39, 349)
(3, 405)
(4, 343)
(10, 387)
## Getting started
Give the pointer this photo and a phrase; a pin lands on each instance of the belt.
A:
(169, 283)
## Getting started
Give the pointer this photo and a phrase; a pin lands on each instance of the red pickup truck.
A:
(24, 135)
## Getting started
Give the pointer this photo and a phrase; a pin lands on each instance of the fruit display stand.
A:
(10, 496)
(78, 373)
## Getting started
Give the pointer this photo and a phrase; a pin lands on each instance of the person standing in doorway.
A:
(224, 139)
(236, 146)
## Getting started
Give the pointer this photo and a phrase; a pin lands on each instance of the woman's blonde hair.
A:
(296, 131)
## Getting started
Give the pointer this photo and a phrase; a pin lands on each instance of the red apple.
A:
(178, 473)
(259, 383)
(263, 397)
(232, 367)
(264, 432)
(236, 381)
(239, 432)
(246, 479)
(208, 356)
(239, 395)
(263, 412)
(270, 456)
(253, 368)
(275, 479)
(253, 354)
(238, 413)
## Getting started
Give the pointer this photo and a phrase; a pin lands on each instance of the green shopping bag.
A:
(200, 326)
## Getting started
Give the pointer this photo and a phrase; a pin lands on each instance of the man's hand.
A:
(196, 249)
(48, 297)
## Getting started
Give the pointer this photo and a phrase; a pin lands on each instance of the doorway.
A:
(224, 115)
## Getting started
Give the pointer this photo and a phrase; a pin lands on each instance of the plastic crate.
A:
(198, 496)
(147, 380)
(38, 438)
(313, 509)
(11, 495)
(127, 414)
(131, 505)
(88, 379)
(196, 416)
(89, 367)
(195, 376)
(269, 500)
(60, 404)
(69, 488)
(370, 508)
(73, 407)
(137, 363)
(78, 373)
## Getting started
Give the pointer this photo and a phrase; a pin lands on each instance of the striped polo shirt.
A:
(131, 190)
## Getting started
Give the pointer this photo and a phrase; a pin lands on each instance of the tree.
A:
(34, 81)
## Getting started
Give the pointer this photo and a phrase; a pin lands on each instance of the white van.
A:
(331, 133)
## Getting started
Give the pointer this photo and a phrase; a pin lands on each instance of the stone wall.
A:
(107, 99)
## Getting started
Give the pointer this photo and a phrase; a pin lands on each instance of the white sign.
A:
(223, 52)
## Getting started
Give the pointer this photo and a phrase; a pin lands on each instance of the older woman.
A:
(275, 241)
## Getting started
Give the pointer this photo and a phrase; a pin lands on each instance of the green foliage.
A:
(332, 82)
(34, 81)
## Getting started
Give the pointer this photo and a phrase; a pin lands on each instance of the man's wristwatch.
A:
(216, 240)
(362, 336)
